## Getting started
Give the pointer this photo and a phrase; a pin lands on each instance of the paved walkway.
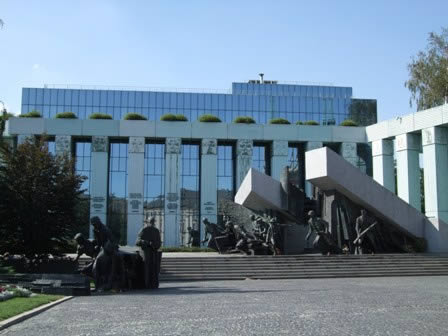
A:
(361, 307)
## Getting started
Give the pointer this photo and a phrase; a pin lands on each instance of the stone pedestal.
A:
(136, 178)
(407, 148)
(173, 170)
(244, 149)
(310, 145)
(435, 163)
(279, 157)
(383, 163)
(99, 178)
(209, 182)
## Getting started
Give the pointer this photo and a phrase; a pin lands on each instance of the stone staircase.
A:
(301, 266)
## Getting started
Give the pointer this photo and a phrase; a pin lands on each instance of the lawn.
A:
(19, 305)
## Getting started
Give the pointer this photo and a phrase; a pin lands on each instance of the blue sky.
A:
(210, 44)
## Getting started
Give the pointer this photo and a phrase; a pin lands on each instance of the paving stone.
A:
(364, 306)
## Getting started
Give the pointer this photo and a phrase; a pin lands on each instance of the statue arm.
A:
(310, 231)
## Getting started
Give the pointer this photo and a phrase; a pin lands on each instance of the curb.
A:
(26, 315)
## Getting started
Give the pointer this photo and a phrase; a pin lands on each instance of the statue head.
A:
(189, 229)
(205, 221)
(79, 238)
(152, 221)
(95, 221)
(252, 217)
(363, 212)
(311, 214)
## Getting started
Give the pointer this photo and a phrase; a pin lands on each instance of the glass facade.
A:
(261, 159)
(324, 104)
(154, 184)
(189, 193)
(83, 167)
(296, 164)
(117, 203)
(225, 175)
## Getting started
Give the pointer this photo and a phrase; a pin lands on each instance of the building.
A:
(180, 171)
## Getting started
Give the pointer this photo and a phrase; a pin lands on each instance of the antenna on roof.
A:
(261, 77)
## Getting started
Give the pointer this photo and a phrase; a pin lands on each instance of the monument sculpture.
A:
(117, 269)
(365, 240)
(149, 241)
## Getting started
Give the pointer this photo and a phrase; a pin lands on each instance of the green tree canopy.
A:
(428, 73)
(39, 198)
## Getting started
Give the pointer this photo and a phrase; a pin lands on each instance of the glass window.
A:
(61, 96)
(261, 158)
(226, 176)
(117, 98)
(173, 101)
(145, 99)
(25, 96)
(117, 205)
(32, 96)
(53, 96)
(152, 99)
(124, 98)
(296, 163)
(96, 98)
(190, 194)
(131, 101)
(154, 184)
(88, 97)
(138, 99)
(83, 168)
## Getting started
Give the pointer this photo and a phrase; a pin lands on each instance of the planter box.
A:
(140, 128)
(245, 131)
(173, 129)
(213, 130)
(26, 126)
(63, 126)
(100, 127)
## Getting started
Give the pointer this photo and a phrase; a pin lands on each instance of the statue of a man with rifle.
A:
(365, 240)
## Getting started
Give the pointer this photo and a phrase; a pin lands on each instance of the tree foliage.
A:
(39, 197)
(428, 73)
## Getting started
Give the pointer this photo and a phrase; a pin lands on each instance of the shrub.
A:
(299, 123)
(209, 118)
(6, 116)
(311, 123)
(66, 115)
(173, 117)
(134, 116)
(32, 114)
(244, 120)
(100, 116)
(348, 122)
(279, 121)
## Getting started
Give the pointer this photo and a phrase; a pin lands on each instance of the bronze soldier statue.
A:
(149, 241)
(365, 240)
(323, 240)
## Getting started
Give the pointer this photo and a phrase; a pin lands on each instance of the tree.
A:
(39, 194)
(428, 73)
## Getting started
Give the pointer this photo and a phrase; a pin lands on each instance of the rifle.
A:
(355, 242)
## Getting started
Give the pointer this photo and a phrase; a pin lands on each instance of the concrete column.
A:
(279, 158)
(310, 145)
(136, 177)
(383, 163)
(99, 178)
(63, 145)
(349, 153)
(244, 149)
(209, 181)
(435, 163)
(173, 168)
(408, 171)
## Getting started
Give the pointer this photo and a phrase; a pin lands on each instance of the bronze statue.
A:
(193, 237)
(87, 247)
(365, 240)
(211, 232)
(149, 241)
(323, 240)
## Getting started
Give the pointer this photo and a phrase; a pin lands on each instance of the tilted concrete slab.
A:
(259, 192)
(329, 171)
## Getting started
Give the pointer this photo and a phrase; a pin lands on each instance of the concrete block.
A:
(280, 132)
(165, 129)
(26, 126)
(200, 130)
(428, 118)
(245, 131)
(349, 134)
(314, 133)
(63, 126)
(100, 127)
(329, 171)
(436, 234)
(259, 192)
(142, 128)
(400, 125)
(377, 131)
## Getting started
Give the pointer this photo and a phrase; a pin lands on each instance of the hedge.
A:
(100, 116)
(348, 122)
(66, 115)
(244, 120)
(209, 118)
(134, 116)
(173, 117)
(32, 114)
(279, 121)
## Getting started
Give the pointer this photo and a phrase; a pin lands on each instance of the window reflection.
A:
(189, 192)
(154, 184)
(296, 164)
(117, 204)
(226, 176)
(83, 167)
(261, 158)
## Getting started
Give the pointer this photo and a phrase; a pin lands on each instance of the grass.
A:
(279, 121)
(32, 114)
(134, 116)
(244, 120)
(18, 305)
(209, 118)
(173, 117)
(66, 115)
(100, 116)
(349, 122)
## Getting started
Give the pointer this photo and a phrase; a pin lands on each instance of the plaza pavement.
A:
(352, 306)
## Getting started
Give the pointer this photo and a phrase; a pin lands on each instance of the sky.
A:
(209, 44)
